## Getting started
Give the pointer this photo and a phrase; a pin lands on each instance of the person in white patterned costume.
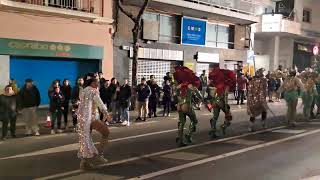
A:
(88, 120)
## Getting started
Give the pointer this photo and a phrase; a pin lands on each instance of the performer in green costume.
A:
(187, 88)
(290, 88)
(221, 82)
(185, 109)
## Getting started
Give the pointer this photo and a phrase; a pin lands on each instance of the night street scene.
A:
(159, 89)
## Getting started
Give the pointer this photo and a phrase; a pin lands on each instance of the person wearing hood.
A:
(8, 112)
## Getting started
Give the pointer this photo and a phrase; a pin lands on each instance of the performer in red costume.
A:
(221, 82)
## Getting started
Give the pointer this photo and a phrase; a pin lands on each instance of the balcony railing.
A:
(89, 6)
(251, 7)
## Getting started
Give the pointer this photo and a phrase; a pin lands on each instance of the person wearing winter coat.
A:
(56, 109)
(144, 93)
(8, 112)
(66, 91)
(28, 102)
(166, 100)
(124, 102)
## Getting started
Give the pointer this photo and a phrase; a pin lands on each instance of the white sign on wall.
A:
(208, 57)
(271, 23)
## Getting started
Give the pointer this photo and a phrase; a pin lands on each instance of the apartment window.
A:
(150, 16)
(211, 36)
(306, 15)
(168, 29)
(223, 36)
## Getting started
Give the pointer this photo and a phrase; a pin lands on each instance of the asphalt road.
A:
(148, 151)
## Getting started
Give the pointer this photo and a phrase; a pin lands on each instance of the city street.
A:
(148, 151)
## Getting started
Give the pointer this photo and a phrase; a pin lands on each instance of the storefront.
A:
(47, 61)
(156, 62)
(205, 61)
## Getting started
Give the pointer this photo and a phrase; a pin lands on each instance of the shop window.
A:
(306, 15)
(150, 16)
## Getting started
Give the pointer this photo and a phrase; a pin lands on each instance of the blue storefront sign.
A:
(193, 31)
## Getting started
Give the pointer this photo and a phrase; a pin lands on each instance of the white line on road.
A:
(161, 153)
(233, 153)
(75, 146)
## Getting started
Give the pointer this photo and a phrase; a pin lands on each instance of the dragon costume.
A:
(221, 82)
(187, 88)
(256, 101)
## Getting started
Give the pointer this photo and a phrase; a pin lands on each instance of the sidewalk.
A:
(42, 114)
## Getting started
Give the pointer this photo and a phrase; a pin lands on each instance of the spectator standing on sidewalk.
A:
(8, 112)
(124, 100)
(153, 99)
(75, 100)
(56, 109)
(28, 101)
(105, 95)
(144, 93)
(66, 92)
(204, 83)
(166, 100)
(242, 86)
(114, 90)
(13, 84)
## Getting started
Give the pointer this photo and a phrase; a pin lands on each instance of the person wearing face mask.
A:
(88, 112)
(8, 112)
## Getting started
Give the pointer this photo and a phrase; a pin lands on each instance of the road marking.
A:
(94, 176)
(289, 131)
(233, 153)
(161, 153)
(184, 156)
(245, 142)
(75, 146)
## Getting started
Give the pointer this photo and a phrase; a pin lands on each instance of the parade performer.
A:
(256, 101)
(308, 79)
(88, 120)
(221, 82)
(187, 88)
(290, 87)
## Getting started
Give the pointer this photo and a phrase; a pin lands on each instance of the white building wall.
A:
(4, 72)
(286, 52)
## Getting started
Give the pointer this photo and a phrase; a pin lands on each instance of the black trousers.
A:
(152, 106)
(166, 107)
(5, 124)
(65, 114)
(240, 96)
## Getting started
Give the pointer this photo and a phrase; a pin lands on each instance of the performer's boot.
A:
(188, 139)
(213, 130)
(263, 120)
(179, 140)
(85, 165)
(100, 158)
(251, 124)
(224, 126)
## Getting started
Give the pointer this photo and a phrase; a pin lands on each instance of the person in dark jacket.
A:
(113, 91)
(56, 109)
(166, 99)
(153, 99)
(28, 101)
(124, 101)
(75, 101)
(66, 92)
(105, 95)
(144, 93)
(8, 112)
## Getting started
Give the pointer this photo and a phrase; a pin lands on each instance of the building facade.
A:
(288, 36)
(46, 40)
(199, 34)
